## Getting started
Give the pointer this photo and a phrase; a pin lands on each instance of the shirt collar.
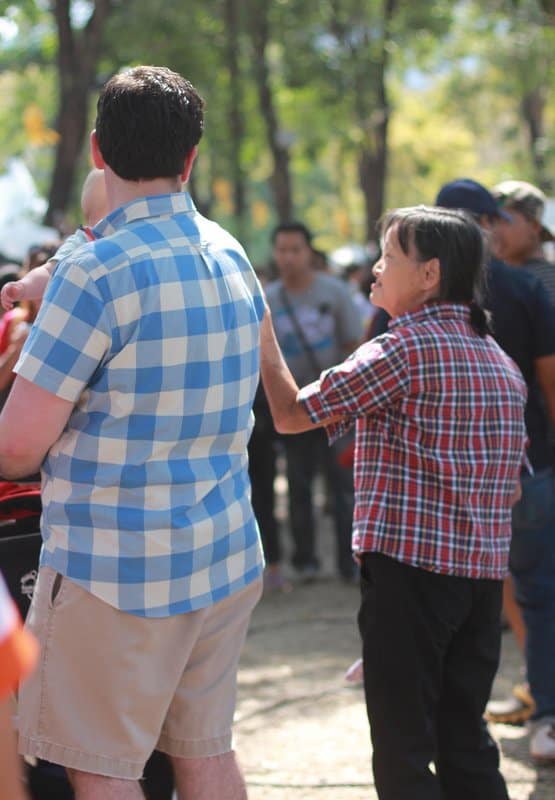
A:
(160, 205)
(436, 310)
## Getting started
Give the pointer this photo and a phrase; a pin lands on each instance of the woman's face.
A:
(402, 283)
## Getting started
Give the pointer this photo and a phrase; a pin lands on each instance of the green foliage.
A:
(457, 76)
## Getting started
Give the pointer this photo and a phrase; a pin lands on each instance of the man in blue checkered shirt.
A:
(134, 394)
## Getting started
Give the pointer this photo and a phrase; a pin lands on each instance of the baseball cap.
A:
(529, 200)
(468, 195)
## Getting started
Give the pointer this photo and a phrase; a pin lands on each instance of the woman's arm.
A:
(281, 389)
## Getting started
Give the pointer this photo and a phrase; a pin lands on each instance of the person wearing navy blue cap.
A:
(524, 326)
(471, 196)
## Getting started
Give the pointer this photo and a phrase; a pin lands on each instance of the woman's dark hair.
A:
(455, 239)
(148, 121)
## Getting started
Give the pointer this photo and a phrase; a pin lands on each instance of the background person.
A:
(16, 323)
(18, 656)
(9, 273)
(524, 325)
(525, 230)
(317, 324)
(440, 437)
(351, 263)
(32, 285)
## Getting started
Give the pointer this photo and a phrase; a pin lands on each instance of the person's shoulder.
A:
(214, 235)
(541, 263)
(335, 291)
(394, 340)
(518, 281)
(330, 282)
(273, 289)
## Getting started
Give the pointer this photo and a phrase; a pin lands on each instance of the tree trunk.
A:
(78, 54)
(236, 123)
(533, 110)
(372, 171)
(281, 178)
(372, 160)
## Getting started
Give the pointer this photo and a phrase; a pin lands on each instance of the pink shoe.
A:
(355, 673)
(274, 581)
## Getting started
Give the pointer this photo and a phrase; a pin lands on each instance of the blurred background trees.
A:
(324, 110)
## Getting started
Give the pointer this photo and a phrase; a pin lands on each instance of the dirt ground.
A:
(301, 731)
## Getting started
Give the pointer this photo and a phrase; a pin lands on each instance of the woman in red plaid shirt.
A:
(438, 410)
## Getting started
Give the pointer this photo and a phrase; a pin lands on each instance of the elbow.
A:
(292, 420)
(284, 425)
(16, 463)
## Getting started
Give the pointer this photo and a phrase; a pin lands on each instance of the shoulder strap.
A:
(299, 331)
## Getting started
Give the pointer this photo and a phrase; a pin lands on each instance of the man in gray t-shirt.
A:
(317, 324)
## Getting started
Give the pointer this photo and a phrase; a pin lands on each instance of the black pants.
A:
(262, 473)
(431, 647)
(308, 453)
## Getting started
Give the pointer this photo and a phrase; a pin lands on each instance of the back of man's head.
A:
(292, 227)
(148, 121)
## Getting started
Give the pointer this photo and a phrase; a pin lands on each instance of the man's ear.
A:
(537, 227)
(96, 155)
(189, 161)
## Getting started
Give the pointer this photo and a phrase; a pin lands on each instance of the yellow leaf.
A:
(35, 127)
(260, 214)
(223, 193)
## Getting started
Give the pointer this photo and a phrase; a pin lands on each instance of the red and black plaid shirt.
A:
(440, 439)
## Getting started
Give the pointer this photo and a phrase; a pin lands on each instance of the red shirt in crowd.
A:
(440, 439)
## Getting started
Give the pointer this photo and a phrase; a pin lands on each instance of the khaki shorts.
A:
(112, 687)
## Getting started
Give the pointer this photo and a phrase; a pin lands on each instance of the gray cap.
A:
(529, 200)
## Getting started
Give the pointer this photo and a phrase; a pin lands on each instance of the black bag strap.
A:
(299, 331)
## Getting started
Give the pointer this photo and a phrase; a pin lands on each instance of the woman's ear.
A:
(431, 274)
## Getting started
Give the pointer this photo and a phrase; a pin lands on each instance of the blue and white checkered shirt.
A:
(152, 331)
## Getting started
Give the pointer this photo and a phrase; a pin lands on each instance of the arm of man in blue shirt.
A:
(31, 421)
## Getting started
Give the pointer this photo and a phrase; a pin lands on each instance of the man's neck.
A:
(521, 261)
(120, 192)
(300, 281)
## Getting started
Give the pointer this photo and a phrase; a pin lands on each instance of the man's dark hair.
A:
(454, 238)
(148, 121)
(292, 227)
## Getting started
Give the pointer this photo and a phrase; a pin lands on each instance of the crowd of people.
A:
(429, 408)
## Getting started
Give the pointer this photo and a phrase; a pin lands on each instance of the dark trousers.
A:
(262, 473)
(431, 647)
(307, 453)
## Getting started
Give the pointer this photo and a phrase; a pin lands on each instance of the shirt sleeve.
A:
(374, 377)
(70, 337)
(18, 649)
(69, 245)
